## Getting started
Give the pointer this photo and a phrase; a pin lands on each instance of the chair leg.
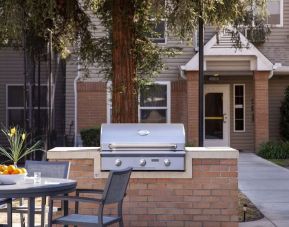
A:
(22, 218)
(121, 223)
(50, 212)
(9, 213)
(43, 213)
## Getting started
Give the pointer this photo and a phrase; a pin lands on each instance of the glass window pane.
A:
(239, 125)
(153, 116)
(154, 96)
(214, 116)
(273, 11)
(239, 100)
(239, 91)
(213, 129)
(43, 96)
(239, 107)
(15, 118)
(15, 96)
(239, 113)
(159, 28)
(214, 105)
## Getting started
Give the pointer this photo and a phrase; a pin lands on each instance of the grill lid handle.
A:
(142, 146)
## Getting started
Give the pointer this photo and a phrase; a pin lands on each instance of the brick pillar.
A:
(261, 108)
(193, 107)
(179, 113)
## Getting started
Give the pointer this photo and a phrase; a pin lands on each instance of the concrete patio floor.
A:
(267, 186)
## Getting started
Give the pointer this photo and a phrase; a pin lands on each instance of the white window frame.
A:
(168, 108)
(19, 108)
(281, 15)
(244, 107)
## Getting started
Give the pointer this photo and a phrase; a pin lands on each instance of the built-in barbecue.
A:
(143, 147)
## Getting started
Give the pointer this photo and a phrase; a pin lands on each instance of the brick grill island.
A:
(204, 195)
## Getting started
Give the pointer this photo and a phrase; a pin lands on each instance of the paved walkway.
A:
(267, 186)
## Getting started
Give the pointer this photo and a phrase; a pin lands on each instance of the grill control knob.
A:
(167, 162)
(118, 162)
(142, 162)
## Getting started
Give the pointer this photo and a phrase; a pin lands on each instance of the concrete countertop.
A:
(60, 153)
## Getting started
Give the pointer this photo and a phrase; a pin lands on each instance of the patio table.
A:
(30, 190)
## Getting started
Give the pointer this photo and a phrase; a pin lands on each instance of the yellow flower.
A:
(12, 131)
(23, 136)
(10, 135)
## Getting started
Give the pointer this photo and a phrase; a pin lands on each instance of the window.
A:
(239, 107)
(154, 103)
(153, 107)
(15, 105)
(160, 31)
(158, 27)
(275, 12)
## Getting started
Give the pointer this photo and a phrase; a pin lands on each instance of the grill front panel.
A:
(145, 147)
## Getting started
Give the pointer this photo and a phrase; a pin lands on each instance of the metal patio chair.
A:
(113, 193)
(47, 169)
(8, 203)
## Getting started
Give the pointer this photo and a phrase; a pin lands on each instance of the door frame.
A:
(226, 89)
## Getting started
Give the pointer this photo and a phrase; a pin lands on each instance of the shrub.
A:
(274, 150)
(90, 137)
(284, 118)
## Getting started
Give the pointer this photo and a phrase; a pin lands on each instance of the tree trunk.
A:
(124, 84)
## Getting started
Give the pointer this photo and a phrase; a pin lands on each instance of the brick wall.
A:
(261, 109)
(193, 107)
(91, 103)
(179, 112)
(209, 199)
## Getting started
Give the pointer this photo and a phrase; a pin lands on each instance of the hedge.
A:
(90, 137)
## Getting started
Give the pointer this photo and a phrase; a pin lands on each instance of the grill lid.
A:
(142, 137)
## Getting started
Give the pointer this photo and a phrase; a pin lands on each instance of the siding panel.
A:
(276, 47)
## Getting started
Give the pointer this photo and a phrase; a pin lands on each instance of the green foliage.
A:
(274, 150)
(182, 20)
(26, 24)
(90, 137)
(29, 22)
(18, 146)
(284, 120)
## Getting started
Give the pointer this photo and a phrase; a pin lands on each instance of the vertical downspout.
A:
(75, 103)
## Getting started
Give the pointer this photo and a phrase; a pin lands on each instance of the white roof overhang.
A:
(224, 50)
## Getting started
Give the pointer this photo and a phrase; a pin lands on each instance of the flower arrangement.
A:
(18, 148)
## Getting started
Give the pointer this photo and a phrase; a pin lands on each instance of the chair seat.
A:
(85, 220)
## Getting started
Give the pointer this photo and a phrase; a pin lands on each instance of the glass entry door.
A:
(216, 125)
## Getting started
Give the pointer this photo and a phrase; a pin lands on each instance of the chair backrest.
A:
(48, 169)
(116, 186)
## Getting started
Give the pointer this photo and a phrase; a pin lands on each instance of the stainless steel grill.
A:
(143, 146)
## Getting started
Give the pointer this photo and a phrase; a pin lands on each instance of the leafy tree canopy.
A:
(29, 21)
